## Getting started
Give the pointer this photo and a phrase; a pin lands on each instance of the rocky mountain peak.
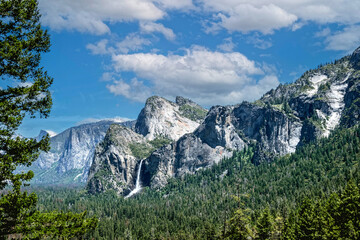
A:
(185, 101)
(41, 135)
(161, 117)
(355, 57)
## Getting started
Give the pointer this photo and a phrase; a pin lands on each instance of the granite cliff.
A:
(283, 119)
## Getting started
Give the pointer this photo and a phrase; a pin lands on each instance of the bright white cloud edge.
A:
(205, 76)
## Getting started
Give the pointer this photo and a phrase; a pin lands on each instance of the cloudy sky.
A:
(108, 56)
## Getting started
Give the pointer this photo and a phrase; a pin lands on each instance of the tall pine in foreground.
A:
(22, 41)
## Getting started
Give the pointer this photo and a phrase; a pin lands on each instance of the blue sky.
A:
(108, 56)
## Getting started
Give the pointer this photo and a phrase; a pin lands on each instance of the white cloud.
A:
(267, 16)
(94, 120)
(132, 42)
(346, 40)
(227, 45)
(323, 33)
(100, 48)
(178, 4)
(94, 16)
(206, 76)
(136, 90)
(258, 42)
(91, 15)
(150, 27)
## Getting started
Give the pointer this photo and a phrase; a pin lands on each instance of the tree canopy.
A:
(24, 92)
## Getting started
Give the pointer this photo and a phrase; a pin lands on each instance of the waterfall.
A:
(137, 183)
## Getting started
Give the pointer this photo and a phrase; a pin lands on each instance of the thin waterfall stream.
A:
(137, 183)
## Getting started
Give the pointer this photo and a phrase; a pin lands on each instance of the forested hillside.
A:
(201, 206)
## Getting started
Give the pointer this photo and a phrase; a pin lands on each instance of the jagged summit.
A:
(284, 118)
(185, 101)
(355, 57)
(118, 158)
(161, 117)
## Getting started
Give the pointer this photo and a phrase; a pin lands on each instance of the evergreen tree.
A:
(349, 212)
(264, 225)
(239, 227)
(305, 228)
(22, 41)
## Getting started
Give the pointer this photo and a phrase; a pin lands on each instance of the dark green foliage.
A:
(159, 141)
(335, 217)
(264, 225)
(22, 41)
(324, 87)
(202, 204)
(192, 112)
(143, 150)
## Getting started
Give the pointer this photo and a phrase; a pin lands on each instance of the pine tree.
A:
(22, 41)
(264, 225)
(349, 211)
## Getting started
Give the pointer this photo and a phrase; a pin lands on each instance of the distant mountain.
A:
(178, 138)
(291, 115)
(71, 153)
(160, 122)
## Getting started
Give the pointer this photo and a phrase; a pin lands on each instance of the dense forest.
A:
(311, 194)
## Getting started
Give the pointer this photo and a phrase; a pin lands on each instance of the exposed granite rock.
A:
(114, 165)
(161, 117)
(70, 156)
(116, 158)
(283, 119)
(187, 155)
(225, 129)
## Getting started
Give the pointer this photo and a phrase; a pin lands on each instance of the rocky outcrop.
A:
(224, 130)
(161, 117)
(277, 124)
(114, 165)
(71, 154)
(118, 156)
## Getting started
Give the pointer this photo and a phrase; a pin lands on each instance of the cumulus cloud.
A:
(91, 15)
(227, 45)
(99, 48)
(132, 42)
(206, 76)
(150, 27)
(267, 16)
(135, 90)
(178, 4)
(346, 40)
(245, 16)
(258, 42)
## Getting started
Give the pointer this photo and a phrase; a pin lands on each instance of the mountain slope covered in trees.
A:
(199, 206)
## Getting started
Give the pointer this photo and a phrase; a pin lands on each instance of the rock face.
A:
(176, 138)
(281, 120)
(71, 154)
(114, 162)
(225, 129)
(161, 117)
(118, 156)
